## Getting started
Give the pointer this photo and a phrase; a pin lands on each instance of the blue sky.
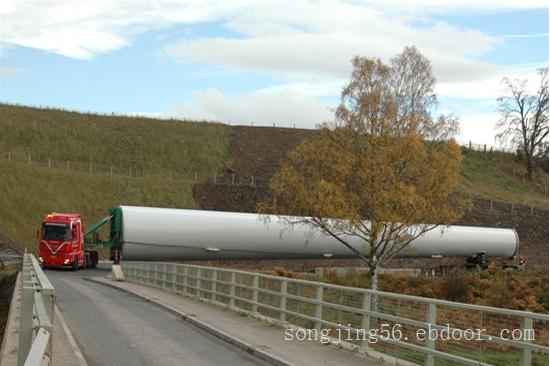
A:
(281, 62)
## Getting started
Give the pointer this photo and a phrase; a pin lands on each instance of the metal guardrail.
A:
(37, 315)
(394, 321)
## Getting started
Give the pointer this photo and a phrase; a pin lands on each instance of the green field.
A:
(64, 147)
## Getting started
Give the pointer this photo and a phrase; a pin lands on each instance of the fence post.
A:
(170, 174)
(9, 156)
(68, 167)
(214, 178)
(319, 307)
(29, 159)
(470, 145)
(233, 281)
(485, 148)
(431, 319)
(365, 322)
(195, 179)
(91, 169)
(282, 304)
(252, 179)
(526, 326)
(49, 161)
(532, 208)
(512, 207)
(233, 179)
(255, 285)
(491, 208)
(111, 170)
(130, 171)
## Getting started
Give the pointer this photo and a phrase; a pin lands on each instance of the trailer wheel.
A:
(95, 258)
(87, 260)
(74, 265)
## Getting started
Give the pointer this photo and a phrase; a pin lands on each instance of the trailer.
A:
(165, 234)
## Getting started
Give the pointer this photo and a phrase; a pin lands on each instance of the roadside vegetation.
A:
(504, 288)
(8, 274)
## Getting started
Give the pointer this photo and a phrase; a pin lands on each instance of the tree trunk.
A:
(529, 167)
(374, 287)
(374, 278)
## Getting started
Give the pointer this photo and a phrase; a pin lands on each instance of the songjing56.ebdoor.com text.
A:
(394, 332)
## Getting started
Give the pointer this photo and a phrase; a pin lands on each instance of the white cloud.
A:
(478, 128)
(446, 5)
(318, 39)
(82, 29)
(329, 88)
(489, 88)
(283, 109)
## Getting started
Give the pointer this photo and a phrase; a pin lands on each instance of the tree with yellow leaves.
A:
(383, 172)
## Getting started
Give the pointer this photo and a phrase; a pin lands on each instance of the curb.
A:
(246, 347)
(70, 338)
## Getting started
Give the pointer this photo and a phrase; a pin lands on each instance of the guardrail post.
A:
(526, 328)
(214, 286)
(232, 284)
(255, 285)
(282, 305)
(49, 303)
(184, 284)
(432, 320)
(319, 307)
(198, 282)
(365, 321)
(174, 277)
(25, 322)
(164, 287)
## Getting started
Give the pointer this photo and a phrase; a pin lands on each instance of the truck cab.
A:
(61, 242)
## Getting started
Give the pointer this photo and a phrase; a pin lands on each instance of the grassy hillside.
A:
(501, 176)
(29, 193)
(140, 143)
(146, 145)
(149, 146)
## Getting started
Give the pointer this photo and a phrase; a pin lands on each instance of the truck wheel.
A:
(74, 266)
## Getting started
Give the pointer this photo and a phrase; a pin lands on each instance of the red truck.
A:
(61, 243)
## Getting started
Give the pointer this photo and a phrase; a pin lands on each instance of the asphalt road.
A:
(114, 328)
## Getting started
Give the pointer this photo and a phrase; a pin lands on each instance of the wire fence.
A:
(485, 148)
(227, 177)
(156, 116)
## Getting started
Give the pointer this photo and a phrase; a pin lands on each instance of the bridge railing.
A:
(364, 320)
(37, 315)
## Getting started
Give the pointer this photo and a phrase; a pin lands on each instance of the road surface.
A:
(114, 328)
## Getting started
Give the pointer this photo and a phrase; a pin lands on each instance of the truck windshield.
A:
(54, 231)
